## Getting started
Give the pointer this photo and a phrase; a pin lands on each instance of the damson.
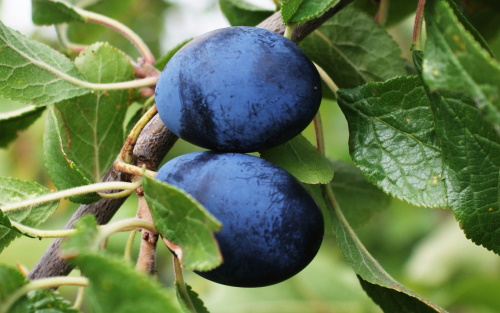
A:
(238, 89)
(272, 227)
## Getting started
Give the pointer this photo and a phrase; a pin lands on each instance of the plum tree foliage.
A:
(424, 131)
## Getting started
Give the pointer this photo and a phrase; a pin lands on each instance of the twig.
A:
(383, 12)
(146, 261)
(417, 28)
(275, 22)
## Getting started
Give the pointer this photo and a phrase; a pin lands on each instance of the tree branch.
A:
(152, 145)
(275, 23)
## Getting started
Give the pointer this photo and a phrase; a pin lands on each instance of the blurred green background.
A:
(424, 249)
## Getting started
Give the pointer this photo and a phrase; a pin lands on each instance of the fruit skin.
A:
(272, 227)
(238, 89)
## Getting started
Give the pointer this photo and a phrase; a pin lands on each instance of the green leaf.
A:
(5, 221)
(484, 15)
(116, 287)
(48, 12)
(83, 135)
(185, 223)
(393, 300)
(13, 122)
(242, 13)
(471, 155)
(393, 140)
(388, 293)
(289, 8)
(358, 198)
(301, 11)
(353, 49)
(428, 148)
(196, 302)
(15, 190)
(11, 280)
(468, 26)
(85, 238)
(301, 159)
(45, 301)
(456, 61)
(32, 72)
(62, 169)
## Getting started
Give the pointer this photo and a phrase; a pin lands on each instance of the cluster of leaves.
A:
(426, 133)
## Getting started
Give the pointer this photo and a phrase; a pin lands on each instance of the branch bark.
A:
(275, 23)
(152, 145)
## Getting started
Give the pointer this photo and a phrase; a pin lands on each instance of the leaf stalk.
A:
(417, 27)
(327, 79)
(122, 29)
(58, 195)
(43, 283)
(383, 12)
(181, 286)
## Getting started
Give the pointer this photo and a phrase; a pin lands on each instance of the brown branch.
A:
(146, 262)
(152, 145)
(275, 23)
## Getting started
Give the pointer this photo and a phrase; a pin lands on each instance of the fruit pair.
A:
(244, 89)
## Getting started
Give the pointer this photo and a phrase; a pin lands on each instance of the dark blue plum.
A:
(238, 89)
(272, 227)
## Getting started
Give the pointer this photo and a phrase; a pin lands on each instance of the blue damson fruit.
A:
(238, 89)
(272, 227)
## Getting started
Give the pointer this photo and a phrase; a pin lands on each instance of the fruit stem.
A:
(147, 104)
(383, 12)
(181, 286)
(289, 31)
(327, 79)
(417, 27)
(43, 283)
(127, 149)
(92, 17)
(58, 195)
(320, 138)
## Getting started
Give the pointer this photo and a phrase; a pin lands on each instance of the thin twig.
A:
(417, 27)
(146, 261)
